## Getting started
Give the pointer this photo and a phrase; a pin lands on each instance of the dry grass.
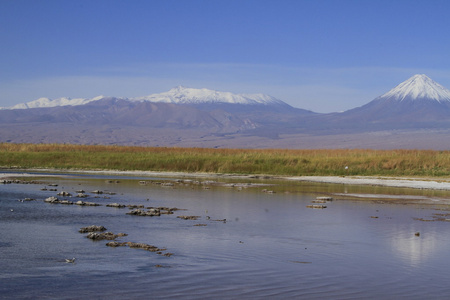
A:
(241, 161)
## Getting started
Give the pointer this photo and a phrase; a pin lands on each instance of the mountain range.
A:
(414, 114)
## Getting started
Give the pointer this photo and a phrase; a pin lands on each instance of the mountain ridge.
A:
(415, 108)
(177, 95)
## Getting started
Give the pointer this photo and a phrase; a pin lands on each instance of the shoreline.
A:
(401, 182)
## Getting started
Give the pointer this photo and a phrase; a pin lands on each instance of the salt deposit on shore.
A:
(417, 183)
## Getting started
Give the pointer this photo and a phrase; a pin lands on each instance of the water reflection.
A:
(415, 248)
(271, 244)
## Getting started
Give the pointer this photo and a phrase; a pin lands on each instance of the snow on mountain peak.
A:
(184, 95)
(177, 95)
(46, 102)
(418, 86)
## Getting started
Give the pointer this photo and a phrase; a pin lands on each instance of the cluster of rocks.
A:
(204, 184)
(318, 203)
(143, 246)
(146, 247)
(92, 228)
(80, 194)
(152, 211)
(146, 213)
(98, 233)
(440, 217)
(137, 210)
(104, 236)
(116, 205)
(189, 217)
(85, 203)
(17, 181)
(55, 200)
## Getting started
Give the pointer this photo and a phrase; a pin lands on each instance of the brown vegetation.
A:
(237, 161)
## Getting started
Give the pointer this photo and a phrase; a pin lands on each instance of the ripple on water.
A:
(271, 247)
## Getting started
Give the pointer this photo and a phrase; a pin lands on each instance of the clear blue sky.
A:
(322, 55)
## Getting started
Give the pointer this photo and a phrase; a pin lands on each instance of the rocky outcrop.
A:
(104, 236)
(82, 203)
(92, 228)
(149, 213)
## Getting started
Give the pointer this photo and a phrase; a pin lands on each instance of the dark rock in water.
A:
(221, 220)
(116, 244)
(165, 210)
(92, 228)
(117, 205)
(104, 236)
(317, 206)
(144, 246)
(148, 213)
(188, 217)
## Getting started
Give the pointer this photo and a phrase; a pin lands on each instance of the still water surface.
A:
(271, 245)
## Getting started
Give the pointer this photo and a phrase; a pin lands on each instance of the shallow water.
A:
(271, 245)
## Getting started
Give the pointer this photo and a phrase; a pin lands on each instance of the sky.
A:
(320, 55)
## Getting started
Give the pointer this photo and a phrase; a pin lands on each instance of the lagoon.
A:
(254, 238)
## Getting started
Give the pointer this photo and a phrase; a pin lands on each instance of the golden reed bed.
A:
(338, 162)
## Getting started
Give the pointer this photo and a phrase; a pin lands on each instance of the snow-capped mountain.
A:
(418, 87)
(207, 118)
(412, 103)
(177, 95)
(184, 95)
(46, 102)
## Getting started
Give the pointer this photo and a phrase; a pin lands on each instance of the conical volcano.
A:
(413, 103)
(418, 88)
